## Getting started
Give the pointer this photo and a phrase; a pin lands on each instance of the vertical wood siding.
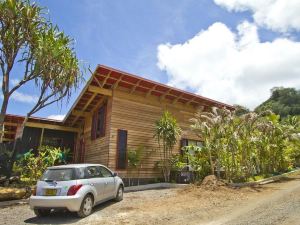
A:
(97, 151)
(137, 115)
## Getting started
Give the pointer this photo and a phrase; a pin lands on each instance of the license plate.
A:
(50, 192)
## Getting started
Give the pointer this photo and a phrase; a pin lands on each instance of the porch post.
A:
(42, 137)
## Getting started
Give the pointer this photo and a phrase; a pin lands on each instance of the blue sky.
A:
(126, 35)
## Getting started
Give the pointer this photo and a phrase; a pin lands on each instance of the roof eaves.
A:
(166, 86)
(80, 95)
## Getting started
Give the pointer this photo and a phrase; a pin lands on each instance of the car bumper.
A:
(72, 203)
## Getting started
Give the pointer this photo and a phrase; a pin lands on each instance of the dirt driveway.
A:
(277, 203)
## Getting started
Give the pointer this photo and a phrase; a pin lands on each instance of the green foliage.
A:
(42, 53)
(283, 101)
(240, 110)
(248, 145)
(197, 158)
(136, 158)
(166, 133)
(178, 162)
(31, 166)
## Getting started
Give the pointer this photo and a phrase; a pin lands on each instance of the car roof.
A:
(75, 166)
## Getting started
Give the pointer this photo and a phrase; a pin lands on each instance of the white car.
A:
(75, 187)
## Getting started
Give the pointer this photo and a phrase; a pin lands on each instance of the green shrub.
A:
(32, 165)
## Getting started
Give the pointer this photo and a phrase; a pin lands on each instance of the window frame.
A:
(186, 140)
(102, 167)
(96, 130)
(117, 151)
(91, 177)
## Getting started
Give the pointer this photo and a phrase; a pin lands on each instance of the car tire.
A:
(42, 212)
(86, 207)
(120, 192)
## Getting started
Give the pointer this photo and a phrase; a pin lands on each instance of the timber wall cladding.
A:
(96, 151)
(137, 115)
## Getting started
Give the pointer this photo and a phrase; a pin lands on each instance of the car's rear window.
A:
(63, 174)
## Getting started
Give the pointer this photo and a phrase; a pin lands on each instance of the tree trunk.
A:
(2, 117)
(15, 150)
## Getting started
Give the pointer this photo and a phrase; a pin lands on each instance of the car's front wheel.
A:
(42, 212)
(86, 206)
(119, 196)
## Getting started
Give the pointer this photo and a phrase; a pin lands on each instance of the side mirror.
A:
(115, 174)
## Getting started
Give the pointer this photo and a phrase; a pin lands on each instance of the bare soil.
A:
(189, 205)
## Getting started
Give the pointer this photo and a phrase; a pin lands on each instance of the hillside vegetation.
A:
(283, 102)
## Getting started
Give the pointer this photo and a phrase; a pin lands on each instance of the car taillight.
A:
(73, 189)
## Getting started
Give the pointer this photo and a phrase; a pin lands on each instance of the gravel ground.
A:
(277, 203)
(281, 207)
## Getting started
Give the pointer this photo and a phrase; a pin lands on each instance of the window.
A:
(121, 149)
(98, 123)
(58, 174)
(105, 172)
(189, 142)
(92, 172)
(81, 173)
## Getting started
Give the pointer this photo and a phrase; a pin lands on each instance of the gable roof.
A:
(108, 78)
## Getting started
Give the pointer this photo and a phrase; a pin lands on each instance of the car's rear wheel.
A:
(86, 206)
(42, 212)
(119, 196)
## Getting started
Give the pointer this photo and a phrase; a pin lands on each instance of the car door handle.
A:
(92, 184)
(105, 183)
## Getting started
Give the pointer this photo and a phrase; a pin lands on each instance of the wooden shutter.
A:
(94, 126)
(101, 121)
(122, 149)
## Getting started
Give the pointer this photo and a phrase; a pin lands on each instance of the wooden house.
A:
(115, 112)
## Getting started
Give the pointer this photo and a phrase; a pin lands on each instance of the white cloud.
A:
(232, 67)
(24, 98)
(277, 15)
(56, 117)
(14, 82)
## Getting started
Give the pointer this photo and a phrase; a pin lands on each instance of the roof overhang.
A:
(13, 122)
(105, 79)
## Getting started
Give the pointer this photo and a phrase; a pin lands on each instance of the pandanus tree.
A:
(166, 133)
(34, 51)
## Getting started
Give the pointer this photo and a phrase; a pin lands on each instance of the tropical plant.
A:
(209, 127)
(166, 133)
(43, 55)
(178, 162)
(32, 165)
(136, 158)
(247, 145)
(198, 160)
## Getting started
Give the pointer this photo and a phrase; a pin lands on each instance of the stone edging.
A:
(263, 181)
(153, 186)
